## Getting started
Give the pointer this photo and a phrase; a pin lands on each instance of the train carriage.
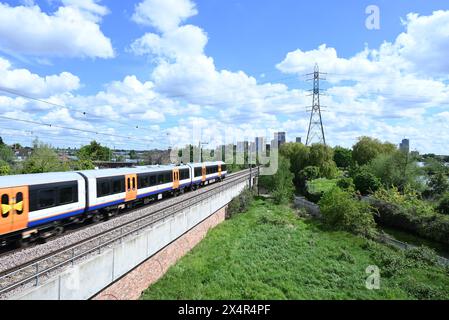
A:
(41, 205)
(30, 202)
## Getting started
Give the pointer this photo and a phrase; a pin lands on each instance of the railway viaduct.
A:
(122, 262)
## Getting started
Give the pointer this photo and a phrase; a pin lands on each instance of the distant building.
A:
(260, 145)
(405, 145)
(280, 137)
(298, 140)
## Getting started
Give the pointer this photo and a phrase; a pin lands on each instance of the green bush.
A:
(409, 213)
(422, 255)
(342, 211)
(283, 188)
(391, 263)
(310, 173)
(366, 182)
(346, 184)
(443, 206)
(240, 203)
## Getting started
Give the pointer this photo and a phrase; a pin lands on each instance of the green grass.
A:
(321, 185)
(270, 253)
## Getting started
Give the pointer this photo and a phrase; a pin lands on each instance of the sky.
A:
(164, 73)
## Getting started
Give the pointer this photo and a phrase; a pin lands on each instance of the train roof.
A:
(124, 171)
(37, 178)
(207, 163)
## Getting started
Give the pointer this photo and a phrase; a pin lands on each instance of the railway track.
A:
(36, 270)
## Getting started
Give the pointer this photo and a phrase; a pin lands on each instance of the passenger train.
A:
(37, 206)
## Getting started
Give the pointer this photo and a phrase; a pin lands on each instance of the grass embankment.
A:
(270, 253)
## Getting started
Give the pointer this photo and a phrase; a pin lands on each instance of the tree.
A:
(366, 182)
(342, 211)
(6, 154)
(322, 156)
(310, 173)
(1, 141)
(95, 152)
(5, 169)
(396, 169)
(366, 149)
(298, 155)
(438, 184)
(443, 206)
(282, 182)
(42, 159)
(133, 154)
(342, 157)
(346, 184)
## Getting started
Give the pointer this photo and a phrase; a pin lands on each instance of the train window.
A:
(168, 177)
(117, 185)
(152, 181)
(66, 195)
(198, 172)
(160, 179)
(46, 198)
(223, 167)
(128, 184)
(134, 183)
(105, 188)
(5, 206)
(143, 181)
(19, 202)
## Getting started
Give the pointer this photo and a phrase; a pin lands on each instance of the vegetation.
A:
(240, 203)
(95, 152)
(316, 161)
(438, 184)
(443, 206)
(406, 211)
(280, 184)
(342, 157)
(366, 182)
(43, 159)
(342, 211)
(366, 149)
(321, 185)
(396, 169)
(269, 253)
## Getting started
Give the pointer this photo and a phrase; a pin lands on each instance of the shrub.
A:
(310, 173)
(283, 188)
(240, 203)
(422, 255)
(366, 182)
(390, 262)
(346, 184)
(342, 211)
(443, 206)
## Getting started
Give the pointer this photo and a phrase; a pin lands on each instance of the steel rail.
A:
(33, 270)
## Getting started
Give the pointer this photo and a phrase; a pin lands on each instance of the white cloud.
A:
(29, 83)
(165, 15)
(71, 31)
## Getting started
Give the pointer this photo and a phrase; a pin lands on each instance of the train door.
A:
(14, 209)
(175, 175)
(203, 172)
(131, 187)
(219, 170)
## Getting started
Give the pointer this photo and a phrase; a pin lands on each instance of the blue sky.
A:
(170, 66)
